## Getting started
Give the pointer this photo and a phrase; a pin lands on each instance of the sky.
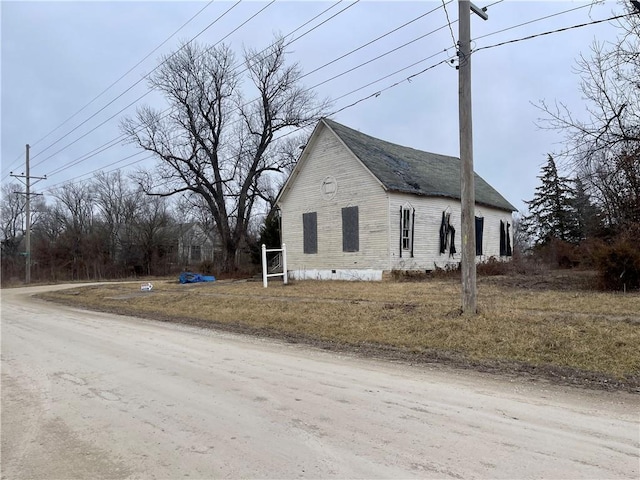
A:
(59, 62)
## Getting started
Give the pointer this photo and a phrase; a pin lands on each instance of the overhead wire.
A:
(444, 5)
(373, 41)
(529, 22)
(551, 32)
(453, 38)
(378, 57)
(149, 91)
(378, 93)
(164, 113)
(139, 81)
(146, 76)
(443, 61)
(372, 95)
(126, 73)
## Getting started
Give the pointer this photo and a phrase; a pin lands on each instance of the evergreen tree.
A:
(588, 216)
(552, 211)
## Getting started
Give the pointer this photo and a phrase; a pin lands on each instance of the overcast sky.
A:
(58, 56)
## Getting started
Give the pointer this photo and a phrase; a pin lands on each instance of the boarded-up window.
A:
(310, 232)
(350, 230)
(479, 230)
(195, 253)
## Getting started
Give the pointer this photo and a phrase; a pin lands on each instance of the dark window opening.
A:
(310, 232)
(406, 229)
(479, 230)
(350, 230)
(505, 239)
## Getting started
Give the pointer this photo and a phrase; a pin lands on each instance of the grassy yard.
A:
(542, 328)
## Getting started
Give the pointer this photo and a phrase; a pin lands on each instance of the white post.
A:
(284, 263)
(264, 265)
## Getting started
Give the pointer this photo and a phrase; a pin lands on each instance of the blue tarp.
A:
(188, 277)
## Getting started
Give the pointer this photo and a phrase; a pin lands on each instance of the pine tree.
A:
(588, 216)
(552, 211)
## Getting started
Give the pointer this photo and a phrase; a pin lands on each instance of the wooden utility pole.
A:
(27, 213)
(467, 186)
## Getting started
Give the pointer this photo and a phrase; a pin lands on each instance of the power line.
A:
(374, 40)
(453, 38)
(75, 179)
(379, 92)
(148, 91)
(379, 57)
(530, 37)
(291, 132)
(165, 113)
(18, 158)
(494, 3)
(323, 66)
(126, 73)
(532, 21)
(342, 57)
(390, 75)
(138, 82)
(305, 33)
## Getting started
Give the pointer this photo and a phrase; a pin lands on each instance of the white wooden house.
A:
(355, 207)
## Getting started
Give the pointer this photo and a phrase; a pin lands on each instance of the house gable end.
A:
(308, 150)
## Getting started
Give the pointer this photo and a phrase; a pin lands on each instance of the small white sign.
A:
(146, 287)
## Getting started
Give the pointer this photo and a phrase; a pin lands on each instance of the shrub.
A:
(558, 253)
(207, 267)
(618, 263)
(493, 266)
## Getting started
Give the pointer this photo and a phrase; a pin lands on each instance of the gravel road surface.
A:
(93, 395)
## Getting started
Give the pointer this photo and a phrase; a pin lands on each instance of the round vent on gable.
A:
(329, 188)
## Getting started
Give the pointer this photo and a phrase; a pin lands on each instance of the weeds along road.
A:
(92, 395)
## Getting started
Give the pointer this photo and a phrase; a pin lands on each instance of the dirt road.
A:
(92, 395)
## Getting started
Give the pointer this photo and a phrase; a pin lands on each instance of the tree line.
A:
(102, 228)
(592, 216)
(232, 131)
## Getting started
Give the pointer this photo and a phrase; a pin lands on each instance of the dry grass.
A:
(589, 332)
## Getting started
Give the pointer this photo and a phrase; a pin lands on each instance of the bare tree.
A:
(11, 218)
(117, 205)
(75, 208)
(215, 143)
(604, 148)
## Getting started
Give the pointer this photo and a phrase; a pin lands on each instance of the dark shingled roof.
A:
(404, 169)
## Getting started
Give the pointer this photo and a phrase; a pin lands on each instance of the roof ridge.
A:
(409, 170)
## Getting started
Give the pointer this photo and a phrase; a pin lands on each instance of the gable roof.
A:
(406, 170)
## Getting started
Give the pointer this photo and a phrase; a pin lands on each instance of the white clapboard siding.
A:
(428, 217)
(328, 158)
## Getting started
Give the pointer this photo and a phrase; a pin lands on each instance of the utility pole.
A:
(467, 186)
(27, 214)
(27, 211)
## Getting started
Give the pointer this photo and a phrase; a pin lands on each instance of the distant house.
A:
(164, 249)
(355, 207)
(194, 244)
